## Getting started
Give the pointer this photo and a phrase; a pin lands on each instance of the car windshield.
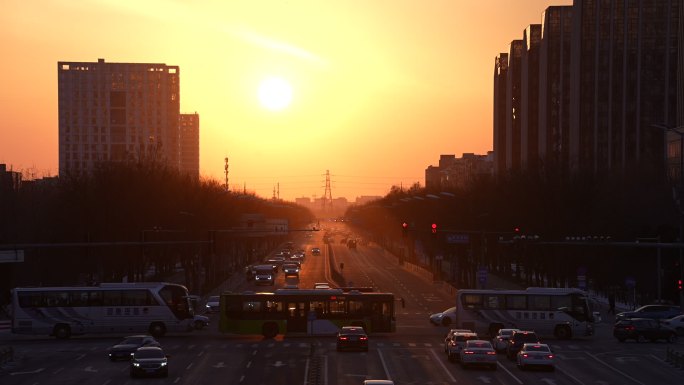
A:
(149, 353)
(537, 348)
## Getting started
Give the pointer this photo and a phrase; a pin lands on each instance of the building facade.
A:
(117, 112)
(189, 145)
(453, 173)
(608, 73)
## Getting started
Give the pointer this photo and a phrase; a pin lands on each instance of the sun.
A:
(275, 93)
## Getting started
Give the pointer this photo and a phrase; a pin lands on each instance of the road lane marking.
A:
(306, 371)
(615, 369)
(384, 365)
(443, 366)
(509, 372)
(31, 372)
(569, 375)
(79, 357)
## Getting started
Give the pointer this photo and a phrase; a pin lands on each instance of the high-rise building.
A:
(625, 81)
(500, 96)
(609, 78)
(189, 144)
(117, 112)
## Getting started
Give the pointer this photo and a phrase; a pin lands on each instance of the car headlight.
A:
(163, 363)
(136, 364)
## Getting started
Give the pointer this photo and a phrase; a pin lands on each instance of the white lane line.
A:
(79, 357)
(384, 365)
(571, 376)
(509, 372)
(306, 371)
(249, 364)
(437, 359)
(615, 369)
(189, 366)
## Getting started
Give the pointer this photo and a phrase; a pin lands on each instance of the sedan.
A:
(500, 341)
(675, 323)
(651, 311)
(444, 318)
(124, 349)
(642, 329)
(478, 352)
(352, 337)
(538, 355)
(149, 361)
(212, 304)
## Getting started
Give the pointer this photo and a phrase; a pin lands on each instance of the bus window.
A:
(274, 306)
(355, 308)
(471, 301)
(493, 302)
(318, 307)
(516, 301)
(539, 302)
(337, 306)
(251, 306)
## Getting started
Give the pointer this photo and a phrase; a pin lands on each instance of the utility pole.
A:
(225, 168)
(327, 194)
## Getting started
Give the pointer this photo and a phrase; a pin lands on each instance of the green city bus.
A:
(310, 312)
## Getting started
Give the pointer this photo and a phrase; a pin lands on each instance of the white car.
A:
(539, 355)
(444, 318)
(675, 323)
(199, 322)
(478, 353)
(212, 304)
(500, 341)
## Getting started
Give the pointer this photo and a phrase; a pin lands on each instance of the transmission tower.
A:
(327, 195)
(226, 172)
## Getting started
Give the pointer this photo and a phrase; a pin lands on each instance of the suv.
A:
(450, 336)
(651, 311)
(458, 342)
(642, 329)
(518, 338)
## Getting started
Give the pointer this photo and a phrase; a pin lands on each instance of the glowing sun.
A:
(275, 93)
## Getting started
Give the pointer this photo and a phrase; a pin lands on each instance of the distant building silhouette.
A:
(582, 91)
(455, 172)
(189, 144)
(120, 112)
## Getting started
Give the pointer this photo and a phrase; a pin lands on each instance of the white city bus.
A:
(143, 307)
(560, 312)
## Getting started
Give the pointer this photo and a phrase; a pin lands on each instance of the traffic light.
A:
(404, 229)
(434, 228)
(679, 284)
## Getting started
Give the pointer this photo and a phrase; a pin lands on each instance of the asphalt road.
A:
(412, 355)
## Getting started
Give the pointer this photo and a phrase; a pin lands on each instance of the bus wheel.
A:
(157, 329)
(62, 331)
(562, 332)
(269, 330)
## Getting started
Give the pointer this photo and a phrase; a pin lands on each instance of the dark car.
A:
(352, 337)
(149, 361)
(124, 349)
(642, 329)
(518, 339)
(651, 311)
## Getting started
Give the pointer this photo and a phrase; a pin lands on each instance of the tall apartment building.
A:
(189, 144)
(118, 112)
(500, 96)
(608, 71)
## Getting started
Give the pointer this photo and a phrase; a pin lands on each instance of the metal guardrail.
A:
(674, 358)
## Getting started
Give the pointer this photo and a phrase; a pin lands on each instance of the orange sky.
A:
(380, 88)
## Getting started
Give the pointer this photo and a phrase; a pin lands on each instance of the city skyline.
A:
(377, 95)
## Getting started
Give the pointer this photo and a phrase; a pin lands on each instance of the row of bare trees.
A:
(127, 221)
(524, 226)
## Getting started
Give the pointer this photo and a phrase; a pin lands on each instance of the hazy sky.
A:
(380, 88)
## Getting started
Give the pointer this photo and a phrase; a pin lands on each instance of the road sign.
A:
(482, 275)
(11, 256)
(458, 238)
(630, 282)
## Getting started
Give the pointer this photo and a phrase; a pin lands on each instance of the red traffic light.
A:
(679, 284)
(404, 225)
(434, 228)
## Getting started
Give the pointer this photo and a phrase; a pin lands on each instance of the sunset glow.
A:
(376, 92)
(275, 93)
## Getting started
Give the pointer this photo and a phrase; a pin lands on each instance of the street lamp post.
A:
(679, 189)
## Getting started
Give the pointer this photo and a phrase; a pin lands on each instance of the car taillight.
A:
(363, 338)
(525, 355)
(468, 352)
(491, 353)
(342, 338)
(550, 356)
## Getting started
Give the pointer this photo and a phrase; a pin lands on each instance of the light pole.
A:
(680, 187)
